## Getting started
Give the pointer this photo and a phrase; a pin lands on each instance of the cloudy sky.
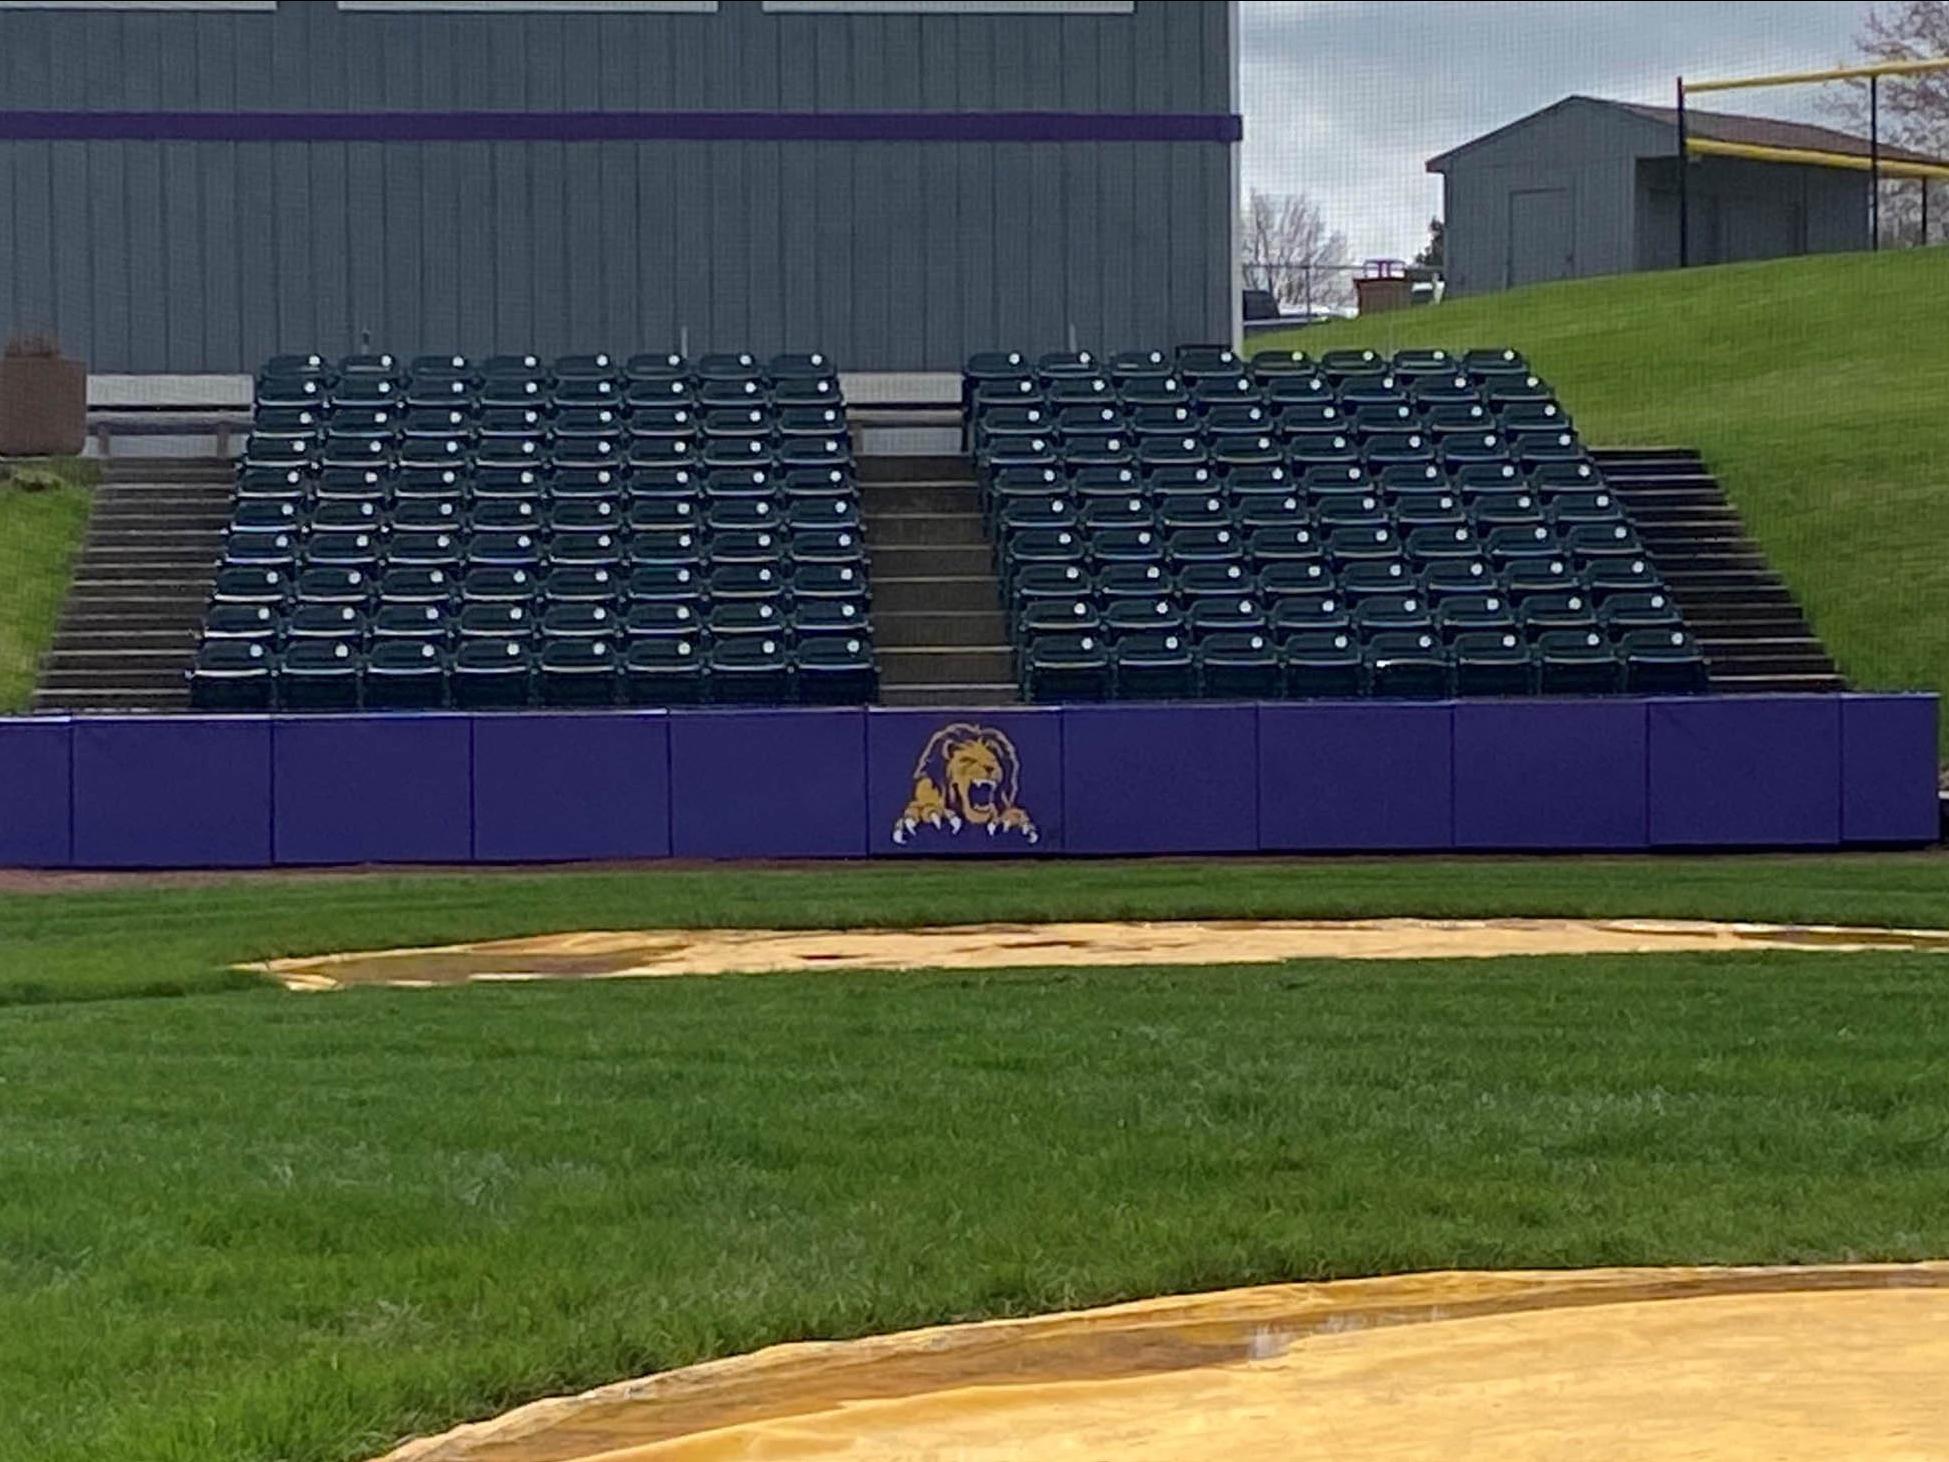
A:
(1346, 100)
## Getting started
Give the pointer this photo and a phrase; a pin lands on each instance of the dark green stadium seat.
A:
(1572, 663)
(580, 621)
(1490, 511)
(335, 586)
(1283, 578)
(1037, 617)
(1154, 665)
(325, 622)
(1538, 576)
(1494, 363)
(1393, 613)
(1404, 478)
(410, 622)
(1472, 479)
(1542, 614)
(1503, 391)
(1533, 449)
(271, 552)
(578, 585)
(1142, 616)
(835, 670)
(254, 586)
(1522, 417)
(499, 586)
(1603, 542)
(1067, 668)
(1378, 388)
(417, 586)
(1338, 364)
(1308, 614)
(813, 617)
(490, 674)
(1662, 662)
(1186, 510)
(232, 674)
(663, 672)
(1461, 614)
(1488, 663)
(405, 675)
(578, 672)
(1382, 578)
(1121, 512)
(506, 620)
(759, 547)
(1239, 666)
(1577, 476)
(1436, 545)
(1115, 546)
(318, 675)
(1621, 576)
(829, 545)
(1459, 450)
(753, 670)
(423, 550)
(1252, 513)
(1622, 613)
(808, 391)
(270, 484)
(1424, 362)
(1140, 581)
(1371, 421)
(655, 366)
(521, 550)
(1509, 546)
(1407, 665)
(586, 550)
(257, 622)
(758, 618)
(1351, 545)
(1297, 389)
(1440, 581)
(1203, 545)
(426, 515)
(1579, 509)
(1267, 364)
(1322, 663)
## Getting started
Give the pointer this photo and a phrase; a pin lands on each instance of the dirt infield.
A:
(653, 953)
(1651, 1363)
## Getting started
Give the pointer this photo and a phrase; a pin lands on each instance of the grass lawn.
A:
(183, 940)
(1816, 389)
(245, 1227)
(40, 532)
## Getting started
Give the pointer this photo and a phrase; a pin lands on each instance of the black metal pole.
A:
(1684, 188)
(1874, 162)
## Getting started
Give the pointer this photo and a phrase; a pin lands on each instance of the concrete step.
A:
(109, 699)
(156, 471)
(1769, 684)
(973, 694)
(933, 592)
(907, 561)
(981, 628)
(919, 497)
(936, 664)
(955, 529)
(117, 677)
(881, 468)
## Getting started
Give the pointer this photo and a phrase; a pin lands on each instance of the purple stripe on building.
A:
(659, 126)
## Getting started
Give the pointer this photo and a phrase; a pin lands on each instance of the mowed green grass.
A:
(1816, 389)
(146, 940)
(40, 533)
(242, 1227)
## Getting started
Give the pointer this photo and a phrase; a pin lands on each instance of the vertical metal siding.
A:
(893, 255)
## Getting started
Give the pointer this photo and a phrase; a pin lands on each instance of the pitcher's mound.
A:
(1648, 1363)
(608, 955)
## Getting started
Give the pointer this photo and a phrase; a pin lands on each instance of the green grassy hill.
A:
(43, 515)
(1818, 390)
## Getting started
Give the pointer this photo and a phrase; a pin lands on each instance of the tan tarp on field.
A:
(1831, 1362)
(643, 953)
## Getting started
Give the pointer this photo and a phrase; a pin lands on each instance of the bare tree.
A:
(1914, 110)
(1289, 250)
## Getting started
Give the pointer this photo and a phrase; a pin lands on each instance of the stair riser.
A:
(922, 667)
(972, 630)
(895, 595)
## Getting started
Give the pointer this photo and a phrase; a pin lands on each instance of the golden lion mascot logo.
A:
(967, 776)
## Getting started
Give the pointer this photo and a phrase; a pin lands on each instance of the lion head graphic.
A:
(968, 776)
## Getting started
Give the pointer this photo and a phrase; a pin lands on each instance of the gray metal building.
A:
(1590, 187)
(195, 186)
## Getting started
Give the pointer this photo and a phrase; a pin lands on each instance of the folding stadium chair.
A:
(1337, 480)
(1139, 581)
(1517, 390)
(232, 674)
(270, 484)
(1445, 419)
(1584, 509)
(1488, 663)
(1461, 614)
(258, 623)
(829, 546)
(1407, 665)
(491, 674)
(1267, 364)
(1318, 612)
(580, 622)
(1319, 450)
(1337, 364)
(1396, 416)
(1065, 364)
(1491, 511)
(1346, 546)
(1610, 576)
(1039, 617)
(1115, 546)
(1066, 668)
(427, 622)
(1320, 664)
(1124, 512)
(494, 548)
(1471, 479)
(335, 586)
(1297, 389)
(1414, 363)
(1572, 663)
(1225, 614)
(753, 670)
(1127, 363)
(1196, 362)
(1500, 362)
(1427, 546)
(1594, 543)
(1578, 475)
(1154, 665)
(425, 515)
(314, 621)
(578, 672)
(1374, 578)
(1190, 510)
(507, 619)
(751, 547)
(1379, 389)
(1351, 513)
(1140, 391)
(1239, 666)
(1558, 613)
(1528, 577)
(1131, 616)
(834, 670)
(318, 675)
(1662, 662)
(1464, 449)
(1440, 581)
(664, 672)
(1416, 512)
(1284, 545)
(1448, 390)
(1509, 546)
(800, 364)
(575, 584)
(405, 675)
(1625, 612)
(1535, 449)
(423, 550)
(1521, 418)
(655, 366)
(1392, 614)
(1254, 512)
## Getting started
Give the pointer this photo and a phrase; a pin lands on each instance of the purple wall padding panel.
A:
(1160, 779)
(561, 787)
(1550, 774)
(172, 792)
(373, 789)
(1355, 776)
(1745, 771)
(36, 766)
(1021, 751)
(768, 784)
(1888, 769)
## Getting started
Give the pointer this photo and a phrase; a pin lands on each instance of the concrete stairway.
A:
(128, 628)
(1752, 629)
(937, 619)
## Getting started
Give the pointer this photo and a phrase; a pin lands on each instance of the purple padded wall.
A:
(1888, 769)
(1746, 771)
(172, 792)
(1161, 779)
(1025, 746)
(768, 784)
(1550, 774)
(551, 787)
(373, 789)
(36, 770)
(1354, 775)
